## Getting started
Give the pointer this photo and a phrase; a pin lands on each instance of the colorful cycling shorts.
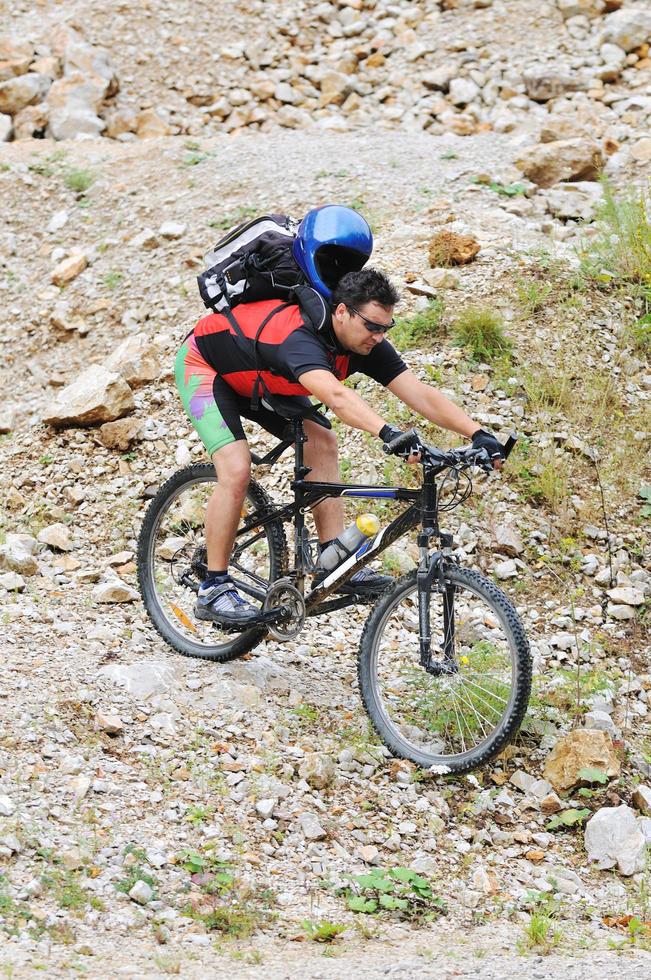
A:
(215, 410)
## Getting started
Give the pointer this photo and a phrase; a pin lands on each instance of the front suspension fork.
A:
(431, 568)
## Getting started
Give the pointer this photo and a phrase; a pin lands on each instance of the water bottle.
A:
(365, 527)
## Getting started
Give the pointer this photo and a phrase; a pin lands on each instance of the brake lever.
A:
(509, 444)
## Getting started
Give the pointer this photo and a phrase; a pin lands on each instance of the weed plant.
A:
(393, 890)
(621, 250)
(412, 331)
(79, 181)
(481, 332)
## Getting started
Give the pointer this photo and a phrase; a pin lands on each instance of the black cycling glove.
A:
(409, 447)
(485, 440)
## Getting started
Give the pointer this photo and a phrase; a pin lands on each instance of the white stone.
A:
(627, 595)
(7, 806)
(613, 838)
(141, 893)
(110, 723)
(620, 612)
(17, 556)
(463, 91)
(642, 798)
(172, 229)
(136, 360)
(311, 827)
(12, 582)
(114, 590)
(628, 28)
(602, 721)
(265, 808)
(6, 127)
(505, 570)
(142, 679)
(56, 536)
(58, 221)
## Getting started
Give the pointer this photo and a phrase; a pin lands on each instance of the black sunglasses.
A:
(371, 325)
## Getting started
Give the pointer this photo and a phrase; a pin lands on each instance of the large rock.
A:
(463, 91)
(136, 360)
(15, 57)
(581, 749)
(508, 540)
(80, 56)
(73, 103)
(548, 163)
(96, 396)
(613, 838)
(6, 127)
(22, 90)
(31, 122)
(628, 28)
(150, 125)
(576, 201)
(17, 554)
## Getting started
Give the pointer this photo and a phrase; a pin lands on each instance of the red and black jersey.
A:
(286, 348)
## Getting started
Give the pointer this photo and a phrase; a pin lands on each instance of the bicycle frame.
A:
(423, 509)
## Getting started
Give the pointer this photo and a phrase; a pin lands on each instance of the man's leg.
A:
(321, 455)
(233, 467)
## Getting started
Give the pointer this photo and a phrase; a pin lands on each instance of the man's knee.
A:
(320, 440)
(233, 467)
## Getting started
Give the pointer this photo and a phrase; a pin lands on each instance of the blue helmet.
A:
(331, 241)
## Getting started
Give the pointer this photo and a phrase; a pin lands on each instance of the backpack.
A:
(254, 261)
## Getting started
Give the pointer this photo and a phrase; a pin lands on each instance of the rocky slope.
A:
(119, 760)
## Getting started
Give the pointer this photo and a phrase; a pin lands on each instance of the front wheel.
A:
(468, 706)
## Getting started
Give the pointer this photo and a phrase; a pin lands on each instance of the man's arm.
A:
(431, 404)
(345, 403)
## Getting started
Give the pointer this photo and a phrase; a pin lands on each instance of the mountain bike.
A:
(444, 666)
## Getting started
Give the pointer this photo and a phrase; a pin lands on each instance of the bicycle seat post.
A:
(300, 470)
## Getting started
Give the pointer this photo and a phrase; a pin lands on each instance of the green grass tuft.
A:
(79, 181)
(481, 331)
(412, 331)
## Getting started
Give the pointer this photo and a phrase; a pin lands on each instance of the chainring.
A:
(283, 593)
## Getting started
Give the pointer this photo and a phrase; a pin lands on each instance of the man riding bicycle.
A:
(219, 380)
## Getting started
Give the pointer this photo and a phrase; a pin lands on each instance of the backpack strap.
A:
(259, 387)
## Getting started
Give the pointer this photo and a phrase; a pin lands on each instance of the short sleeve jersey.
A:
(286, 348)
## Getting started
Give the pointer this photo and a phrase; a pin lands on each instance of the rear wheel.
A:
(172, 562)
(459, 714)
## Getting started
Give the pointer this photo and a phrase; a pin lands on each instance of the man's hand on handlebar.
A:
(406, 445)
(494, 449)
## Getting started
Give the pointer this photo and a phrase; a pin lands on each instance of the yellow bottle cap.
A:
(368, 524)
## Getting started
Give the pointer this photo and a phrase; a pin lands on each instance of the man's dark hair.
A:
(365, 286)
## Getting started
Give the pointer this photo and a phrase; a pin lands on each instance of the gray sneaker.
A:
(223, 604)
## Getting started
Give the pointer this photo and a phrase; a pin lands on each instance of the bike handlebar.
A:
(465, 456)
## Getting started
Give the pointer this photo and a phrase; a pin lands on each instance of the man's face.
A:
(351, 325)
